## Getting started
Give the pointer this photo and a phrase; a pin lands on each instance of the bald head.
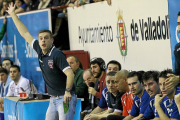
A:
(88, 77)
(122, 74)
(121, 78)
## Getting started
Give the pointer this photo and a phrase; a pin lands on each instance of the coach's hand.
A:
(171, 81)
(109, 2)
(67, 97)
(11, 8)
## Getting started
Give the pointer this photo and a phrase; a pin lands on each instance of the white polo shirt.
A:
(15, 89)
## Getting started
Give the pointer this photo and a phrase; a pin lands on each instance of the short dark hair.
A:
(114, 62)
(3, 70)
(45, 30)
(151, 75)
(11, 62)
(179, 13)
(135, 73)
(165, 72)
(15, 66)
(141, 72)
(99, 61)
(112, 73)
(22, 1)
(5, 1)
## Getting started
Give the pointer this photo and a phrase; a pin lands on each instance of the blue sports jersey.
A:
(171, 107)
(140, 104)
(151, 111)
(103, 103)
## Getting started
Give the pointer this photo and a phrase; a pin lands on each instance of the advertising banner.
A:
(15, 47)
(29, 110)
(133, 32)
(173, 6)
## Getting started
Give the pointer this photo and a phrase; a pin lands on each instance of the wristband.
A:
(68, 89)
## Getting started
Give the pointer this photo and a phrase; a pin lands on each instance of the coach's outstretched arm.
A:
(20, 26)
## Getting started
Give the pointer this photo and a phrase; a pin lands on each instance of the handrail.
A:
(59, 7)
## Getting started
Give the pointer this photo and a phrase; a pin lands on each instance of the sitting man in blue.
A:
(4, 85)
(112, 65)
(167, 99)
(103, 103)
(114, 99)
(151, 84)
(141, 100)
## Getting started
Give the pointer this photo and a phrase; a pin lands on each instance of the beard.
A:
(98, 74)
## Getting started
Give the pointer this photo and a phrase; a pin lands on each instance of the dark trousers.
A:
(113, 117)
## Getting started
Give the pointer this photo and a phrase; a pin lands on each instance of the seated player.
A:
(19, 83)
(141, 100)
(114, 99)
(151, 84)
(167, 99)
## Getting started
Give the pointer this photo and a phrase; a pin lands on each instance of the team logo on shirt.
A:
(50, 63)
(113, 105)
(129, 111)
(170, 111)
(121, 33)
